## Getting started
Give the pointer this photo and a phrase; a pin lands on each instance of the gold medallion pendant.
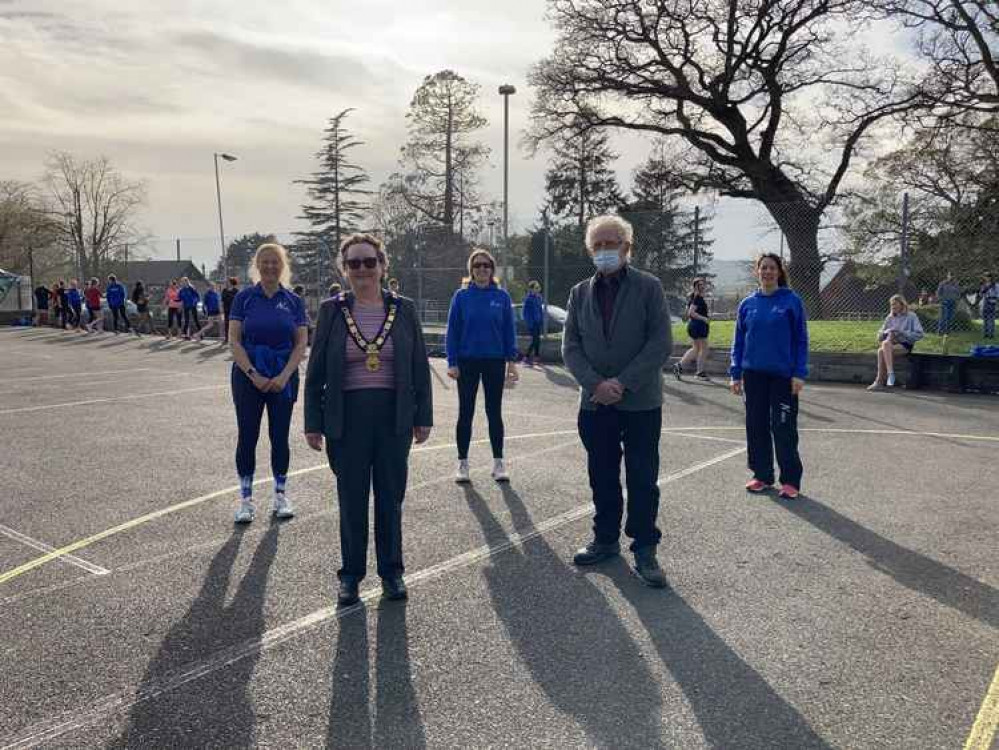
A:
(372, 348)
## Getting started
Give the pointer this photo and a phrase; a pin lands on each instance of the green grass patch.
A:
(845, 336)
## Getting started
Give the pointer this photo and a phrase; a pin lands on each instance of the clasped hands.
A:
(608, 392)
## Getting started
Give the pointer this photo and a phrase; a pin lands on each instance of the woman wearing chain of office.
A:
(368, 394)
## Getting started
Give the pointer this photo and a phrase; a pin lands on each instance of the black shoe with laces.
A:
(678, 371)
(594, 552)
(647, 568)
(348, 593)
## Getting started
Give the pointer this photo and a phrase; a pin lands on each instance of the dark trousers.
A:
(989, 318)
(947, 308)
(119, 311)
(535, 346)
(173, 317)
(250, 404)
(189, 314)
(75, 315)
(771, 422)
(225, 327)
(607, 434)
(492, 373)
(371, 455)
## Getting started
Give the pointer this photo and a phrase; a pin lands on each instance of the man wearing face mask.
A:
(616, 341)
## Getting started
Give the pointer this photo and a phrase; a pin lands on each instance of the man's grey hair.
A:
(607, 220)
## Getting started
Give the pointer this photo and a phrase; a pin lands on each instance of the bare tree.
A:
(771, 103)
(960, 41)
(28, 232)
(97, 207)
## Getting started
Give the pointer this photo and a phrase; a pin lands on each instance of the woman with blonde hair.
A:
(368, 394)
(481, 344)
(268, 336)
(900, 332)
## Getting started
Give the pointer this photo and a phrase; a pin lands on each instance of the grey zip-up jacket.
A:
(637, 348)
(324, 377)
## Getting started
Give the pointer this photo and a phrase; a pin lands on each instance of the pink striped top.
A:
(356, 374)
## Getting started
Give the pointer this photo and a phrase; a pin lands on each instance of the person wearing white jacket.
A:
(900, 332)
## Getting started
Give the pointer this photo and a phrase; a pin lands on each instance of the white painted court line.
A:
(69, 404)
(83, 383)
(46, 731)
(847, 431)
(17, 536)
(76, 375)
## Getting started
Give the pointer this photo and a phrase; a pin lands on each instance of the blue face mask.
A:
(607, 261)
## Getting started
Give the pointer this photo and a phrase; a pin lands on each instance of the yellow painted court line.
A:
(983, 732)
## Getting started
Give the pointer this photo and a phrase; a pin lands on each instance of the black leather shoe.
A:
(348, 593)
(647, 568)
(594, 552)
(394, 588)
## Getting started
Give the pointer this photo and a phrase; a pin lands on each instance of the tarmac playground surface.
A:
(134, 614)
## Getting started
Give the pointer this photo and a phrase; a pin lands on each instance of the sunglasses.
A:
(482, 265)
(356, 263)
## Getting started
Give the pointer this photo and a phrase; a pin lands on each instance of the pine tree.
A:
(580, 182)
(337, 205)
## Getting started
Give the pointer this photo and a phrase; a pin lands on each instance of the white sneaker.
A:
(462, 477)
(890, 382)
(499, 471)
(245, 511)
(281, 508)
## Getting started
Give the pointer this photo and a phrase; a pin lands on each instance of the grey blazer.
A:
(324, 377)
(637, 348)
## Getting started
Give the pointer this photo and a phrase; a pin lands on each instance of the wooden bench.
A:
(953, 373)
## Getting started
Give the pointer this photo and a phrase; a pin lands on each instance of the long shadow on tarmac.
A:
(186, 717)
(577, 650)
(734, 704)
(397, 721)
(913, 570)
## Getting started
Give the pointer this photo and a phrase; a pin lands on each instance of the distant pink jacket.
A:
(172, 298)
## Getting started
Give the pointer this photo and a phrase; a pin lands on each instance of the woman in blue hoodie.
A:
(769, 365)
(189, 298)
(481, 345)
(534, 312)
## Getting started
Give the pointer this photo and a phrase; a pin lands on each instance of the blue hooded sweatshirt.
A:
(211, 302)
(189, 296)
(480, 325)
(771, 335)
(533, 314)
(115, 294)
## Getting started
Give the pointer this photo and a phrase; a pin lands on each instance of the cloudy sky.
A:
(159, 85)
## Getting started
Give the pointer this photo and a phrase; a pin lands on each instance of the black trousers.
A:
(370, 456)
(173, 318)
(250, 404)
(771, 422)
(189, 313)
(75, 315)
(492, 373)
(535, 346)
(607, 434)
(115, 312)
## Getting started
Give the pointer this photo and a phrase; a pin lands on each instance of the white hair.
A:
(609, 220)
(280, 252)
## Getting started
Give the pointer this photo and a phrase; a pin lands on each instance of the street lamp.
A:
(218, 197)
(506, 90)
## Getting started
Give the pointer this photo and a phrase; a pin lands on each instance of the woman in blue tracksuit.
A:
(189, 298)
(268, 335)
(533, 317)
(115, 295)
(481, 345)
(769, 365)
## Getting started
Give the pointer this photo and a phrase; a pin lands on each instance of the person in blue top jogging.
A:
(212, 304)
(115, 295)
(481, 344)
(533, 319)
(189, 298)
(769, 365)
(268, 335)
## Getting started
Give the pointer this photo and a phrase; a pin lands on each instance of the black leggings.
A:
(115, 312)
(535, 346)
(173, 318)
(190, 312)
(493, 375)
(250, 404)
(75, 315)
